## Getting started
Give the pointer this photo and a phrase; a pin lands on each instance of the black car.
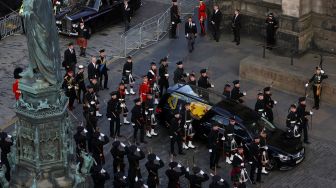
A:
(95, 13)
(214, 108)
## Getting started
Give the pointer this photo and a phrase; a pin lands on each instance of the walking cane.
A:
(311, 122)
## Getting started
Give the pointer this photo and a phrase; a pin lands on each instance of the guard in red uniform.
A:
(83, 36)
(17, 77)
(202, 16)
(144, 89)
(121, 97)
(152, 79)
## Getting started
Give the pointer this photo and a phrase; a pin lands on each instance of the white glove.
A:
(69, 87)
(250, 162)
(185, 126)
(122, 105)
(187, 169)
(146, 113)
(212, 85)
(102, 171)
(322, 71)
(187, 74)
(9, 136)
(186, 35)
(210, 150)
(157, 158)
(122, 145)
(85, 131)
(136, 178)
(223, 138)
(138, 150)
(275, 102)
(124, 177)
(244, 93)
(178, 165)
(170, 137)
(201, 172)
(306, 84)
(173, 22)
(311, 112)
(266, 148)
(242, 164)
(145, 186)
(166, 75)
(212, 22)
(109, 119)
(92, 102)
(102, 135)
(221, 180)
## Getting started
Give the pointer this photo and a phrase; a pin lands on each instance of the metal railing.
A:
(150, 31)
(10, 24)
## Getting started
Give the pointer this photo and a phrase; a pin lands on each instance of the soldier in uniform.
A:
(317, 79)
(216, 19)
(83, 36)
(99, 176)
(174, 173)
(237, 164)
(175, 134)
(113, 114)
(235, 92)
(120, 180)
(255, 160)
(302, 116)
(197, 178)
(152, 76)
(5, 145)
(144, 89)
(102, 64)
(174, 18)
(118, 152)
(121, 97)
(70, 59)
(89, 112)
(153, 168)
(227, 91)
(229, 140)
(259, 107)
(15, 87)
(192, 79)
(292, 122)
(269, 104)
(93, 71)
(127, 77)
(179, 74)
(190, 33)
(134, 155)
(80, 140)
(271, 27)
(203, 82)
(150, 116)
(235, 24)
(69, 87)
(80, 84)
(163, 74)
(218, 182)
(202, 16)
(188, 127)
(98, 142)
(214, 145)
(138, 121)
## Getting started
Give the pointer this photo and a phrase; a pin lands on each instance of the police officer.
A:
(134, 155)
(214, 146)
(235, 92)
(179, 74)
(271, 27)
(259, 107)
(218, 182)
(83, 36)
(138, 121)
(102, 62)
(174, 18)
(99, 176)
(98, 142)
(163, 74)
(5, 145)
(269, 104)
(255, 160)
(174, 173)
(197, 178)
(317, 79)
(113, 114)
(175, 134)
(69, 86)
(190, 33)
(118, 152)
(153, 168)
(80, 84)
(302, 116)
(127, 77)
(227, 91)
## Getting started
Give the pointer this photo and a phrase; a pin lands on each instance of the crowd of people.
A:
(89, 139)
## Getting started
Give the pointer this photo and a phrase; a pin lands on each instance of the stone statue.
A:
(42, 42)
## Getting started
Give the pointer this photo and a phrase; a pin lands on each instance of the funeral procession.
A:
(167, 94)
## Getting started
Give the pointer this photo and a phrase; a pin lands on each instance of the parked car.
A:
(96, 14)
(215, 108)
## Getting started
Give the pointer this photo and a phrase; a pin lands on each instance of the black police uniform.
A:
(269, 104)
(179, 75)
(113, 112)
(215, 145)
(153, 168)
(236, 94)
(259, 107)
(196, 180)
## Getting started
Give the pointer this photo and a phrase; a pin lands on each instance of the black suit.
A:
(93, 71)
(215, 22)
(175, 19)
(127, 16)
(70, 60)
(190, 32)
(236, 25)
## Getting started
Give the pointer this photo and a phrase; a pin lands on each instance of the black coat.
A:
(236, 94)
(133, 162)
(120, 180)
(113, 109)
(291, 117)
(174, 177)
(236, 21)
(203, 82)
(259, 106)
(214, 140)
(83, 33)
(195, 181)
(127, 12)
(190, 30)
(127, 67)
(217, 18)
(98, 149)
(70, 59)
(174, 14)
(175, 126)
(302, 113)
(99, 179)
(93, 71)
(179, 75)
(153, 176)
(137, 115)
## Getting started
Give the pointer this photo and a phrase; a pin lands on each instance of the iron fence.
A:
(10, 24)
(150, 31)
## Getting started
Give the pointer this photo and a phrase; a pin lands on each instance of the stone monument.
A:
(43, 133)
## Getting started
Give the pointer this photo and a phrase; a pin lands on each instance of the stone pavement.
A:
(222, 60)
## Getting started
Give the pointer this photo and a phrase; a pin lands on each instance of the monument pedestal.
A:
(43, 137)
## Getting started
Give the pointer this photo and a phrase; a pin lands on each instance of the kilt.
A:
(82, 42)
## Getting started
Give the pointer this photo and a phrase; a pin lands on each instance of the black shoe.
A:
(106, 88)
(218, 166)
(145, 142)
(137, 143)
(253, 182)
(212, 168)
(306, 142)
(174, 154)
(181, 153)
(317, 107)
(237, 43)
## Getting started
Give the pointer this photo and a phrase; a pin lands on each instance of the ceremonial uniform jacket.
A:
(98, 149)
(291, 117)
(137, 115)
(202, 11)
(318, 78)
(83, 32)
(80, 80)
(144, 89)
(214, 140)
(174, 177)
(93, 71)
(153, 176)
(175, 127)
(269, 103)
(195, 181)
(16, 90)
(80, 141)
(120, 180)
(302, 113)
(271, 24)
(133, 162)
(179, 75)
(260, 106)
(236, 94)
(99, 179)
(113, 109)
(163, 70)
(203, 82)
(151, 75)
